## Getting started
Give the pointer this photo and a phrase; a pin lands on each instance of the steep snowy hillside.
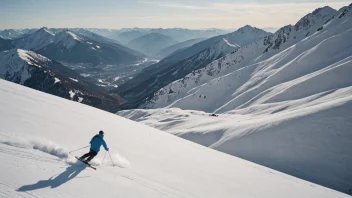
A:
(285, 104)
(273, 66)
(179, 64)
(69, 47)
(37, 130)
(35, 40)
(151, 44)
(178, 46)
(308, 138)
(38, 72)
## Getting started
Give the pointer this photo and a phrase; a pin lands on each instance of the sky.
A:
(193, 14)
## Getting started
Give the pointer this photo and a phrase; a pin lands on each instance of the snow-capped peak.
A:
(67, 39)
(318, 16)
(326, 10)
(248, 28)
(35, 40)
(245, 35)
(45, 30)
(306, 26)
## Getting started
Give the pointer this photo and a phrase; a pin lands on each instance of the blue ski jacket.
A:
(96, 143)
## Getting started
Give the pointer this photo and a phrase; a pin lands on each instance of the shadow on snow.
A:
(70, 173)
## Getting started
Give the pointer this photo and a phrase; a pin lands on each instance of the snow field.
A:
(162, 165)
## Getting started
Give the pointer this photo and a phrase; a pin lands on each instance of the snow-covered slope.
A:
(308, 138)
(17, 65)
(35, 40)
(293, 58)
(38, 129)
(38, 72)
(67, 39)
(290, 111)
(178, 65)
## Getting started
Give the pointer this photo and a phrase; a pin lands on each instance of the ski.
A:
(86, 163)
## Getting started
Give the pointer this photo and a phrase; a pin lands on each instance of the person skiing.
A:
(95, 145)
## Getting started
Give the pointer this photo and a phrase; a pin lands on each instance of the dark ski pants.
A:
(90, 155)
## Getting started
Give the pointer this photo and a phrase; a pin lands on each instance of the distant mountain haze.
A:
(151, 44)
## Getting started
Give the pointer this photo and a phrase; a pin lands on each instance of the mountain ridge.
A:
(252, 54)
(283, 104)
(179, 64)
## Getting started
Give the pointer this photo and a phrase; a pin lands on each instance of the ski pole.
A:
(111, 159)
(104, 158)
(78, 149)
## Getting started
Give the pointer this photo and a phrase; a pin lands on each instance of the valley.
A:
(109, 77)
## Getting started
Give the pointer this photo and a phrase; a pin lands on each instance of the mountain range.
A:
(38, 72)
(45, 59)
(182, 62)
(255, 53)
(128, 34)
(103, 62)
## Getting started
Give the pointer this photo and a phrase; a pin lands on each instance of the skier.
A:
(95, 144)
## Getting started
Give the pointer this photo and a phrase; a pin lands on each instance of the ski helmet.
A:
(101, 132)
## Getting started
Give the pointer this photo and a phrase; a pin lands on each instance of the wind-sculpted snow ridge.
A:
(162, 165)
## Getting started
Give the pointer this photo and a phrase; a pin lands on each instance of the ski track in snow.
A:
(21, 152)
